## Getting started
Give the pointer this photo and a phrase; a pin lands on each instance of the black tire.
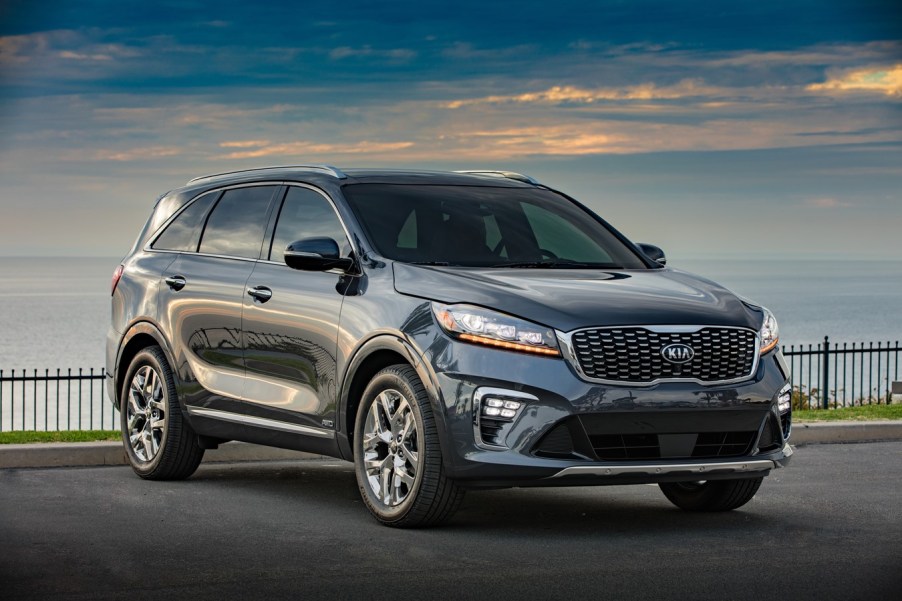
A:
(159, 443)
(714, 495)
(383, 461)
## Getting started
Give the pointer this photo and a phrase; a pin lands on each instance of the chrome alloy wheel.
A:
(391, 448)
(146, 413)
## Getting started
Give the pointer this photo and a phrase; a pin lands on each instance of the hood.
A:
(568, 299)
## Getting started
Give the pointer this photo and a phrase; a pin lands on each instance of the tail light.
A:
(116, 275)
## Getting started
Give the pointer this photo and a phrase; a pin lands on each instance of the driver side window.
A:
(306, 214)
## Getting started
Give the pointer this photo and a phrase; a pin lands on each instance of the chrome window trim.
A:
(484, 391)
(565, 339)
(262, 422)
(335, 210)
(156, 234)
(321, 192)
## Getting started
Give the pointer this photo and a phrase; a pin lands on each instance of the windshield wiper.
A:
(432, 263)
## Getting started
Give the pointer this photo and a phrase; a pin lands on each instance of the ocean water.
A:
(54, 312)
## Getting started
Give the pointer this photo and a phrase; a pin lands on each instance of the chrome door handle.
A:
(260, 293)
(176, 282)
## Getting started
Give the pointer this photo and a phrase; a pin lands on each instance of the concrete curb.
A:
(83, 454)
(845, 431)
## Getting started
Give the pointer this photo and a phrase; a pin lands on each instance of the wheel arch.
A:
(371, 357)
(139, 336)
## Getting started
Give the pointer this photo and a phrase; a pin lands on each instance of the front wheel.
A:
(397, 456)
(159, 443)
(713, 495)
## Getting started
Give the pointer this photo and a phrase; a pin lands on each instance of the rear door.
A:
(202, 294)
(290, 331)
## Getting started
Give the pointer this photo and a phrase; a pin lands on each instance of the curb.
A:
(84, 454)
(845, 431)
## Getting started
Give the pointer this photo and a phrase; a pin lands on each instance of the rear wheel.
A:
(714, 495)
(397, 455)
(159, 443)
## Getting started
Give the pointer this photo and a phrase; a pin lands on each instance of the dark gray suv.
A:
(443, 331)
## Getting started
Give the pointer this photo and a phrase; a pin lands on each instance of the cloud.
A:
(135, 154)
(574, 94)
(84, 57)
(314, 148)
(395, 55)
(244, 144)
(880, 80)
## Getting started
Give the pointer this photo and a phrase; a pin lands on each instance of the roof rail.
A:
(507, 174)
(327, 169)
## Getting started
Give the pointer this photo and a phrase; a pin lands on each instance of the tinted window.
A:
(184, 231)
(558, 239)
(484, 226)
(236, 225)
(306, 214)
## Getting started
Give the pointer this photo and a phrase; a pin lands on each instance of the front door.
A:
(291, 319)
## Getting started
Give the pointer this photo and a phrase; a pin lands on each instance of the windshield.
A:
(482, 226)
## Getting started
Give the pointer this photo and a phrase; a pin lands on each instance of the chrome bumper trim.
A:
(660, 469)
(259, 421)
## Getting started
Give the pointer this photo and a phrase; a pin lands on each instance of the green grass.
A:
(29, 436)
(862, 413)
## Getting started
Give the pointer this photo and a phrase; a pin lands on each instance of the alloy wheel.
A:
(391, 448)
(146, 413)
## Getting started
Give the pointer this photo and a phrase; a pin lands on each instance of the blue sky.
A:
(736, 129)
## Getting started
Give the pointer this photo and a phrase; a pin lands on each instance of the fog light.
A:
(501, 408)
(494, 413)
(784, 399)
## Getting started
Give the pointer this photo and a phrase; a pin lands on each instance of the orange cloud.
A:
(886, 81)
(307, 147)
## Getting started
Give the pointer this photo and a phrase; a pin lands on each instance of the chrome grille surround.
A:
(631, 355)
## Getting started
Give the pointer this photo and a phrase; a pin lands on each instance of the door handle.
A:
(260, 293)
(176, 282)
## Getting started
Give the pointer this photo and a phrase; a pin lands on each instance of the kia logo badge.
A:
(678, 353)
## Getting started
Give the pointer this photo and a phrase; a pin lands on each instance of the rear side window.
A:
(183, 233)
(306, 214)
(236, 225)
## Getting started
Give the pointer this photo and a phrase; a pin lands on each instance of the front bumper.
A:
(695, 429)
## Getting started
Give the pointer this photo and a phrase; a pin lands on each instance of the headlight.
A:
(482, 326)
(769, 332)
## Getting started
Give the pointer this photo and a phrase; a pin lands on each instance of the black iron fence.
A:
(824, 376)
(55, 400)
(829, 375)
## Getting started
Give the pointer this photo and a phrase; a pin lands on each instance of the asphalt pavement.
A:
(827, 527)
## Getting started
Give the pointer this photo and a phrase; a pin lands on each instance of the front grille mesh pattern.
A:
(611, 447)
(634, 354)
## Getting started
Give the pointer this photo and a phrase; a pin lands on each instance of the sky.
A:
(764, 129)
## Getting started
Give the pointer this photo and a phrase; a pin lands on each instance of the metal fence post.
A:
(826, 392)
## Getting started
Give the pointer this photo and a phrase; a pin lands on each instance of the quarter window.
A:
(236, 225)
(183, 232)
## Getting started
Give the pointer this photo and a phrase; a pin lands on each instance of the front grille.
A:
(612, 447)
(633, 354)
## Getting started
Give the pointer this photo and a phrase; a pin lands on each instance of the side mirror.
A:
(316, 254)
(653, 252)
